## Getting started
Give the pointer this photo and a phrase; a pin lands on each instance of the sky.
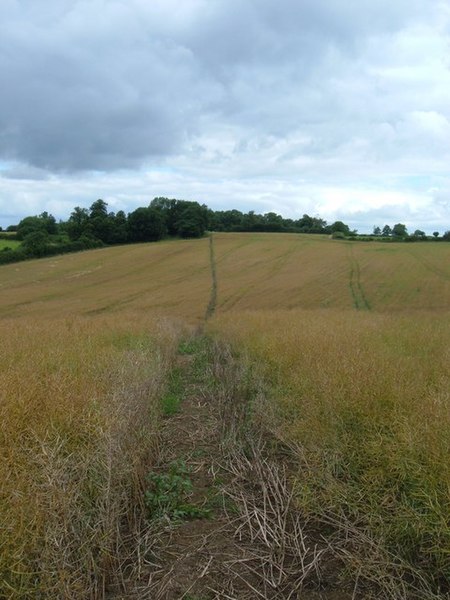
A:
(333, 108)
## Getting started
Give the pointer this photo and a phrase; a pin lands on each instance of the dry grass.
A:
(364, 397)
(80, 415)
(85, 351)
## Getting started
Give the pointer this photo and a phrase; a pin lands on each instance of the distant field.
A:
(265, 271)
(350, 340)
(270, 271)
(168, 278)
(9, 244)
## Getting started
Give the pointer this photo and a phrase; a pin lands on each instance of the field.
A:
(167, 279)
(349, 341)
(87, 346)
(13, 244)
(295, 271)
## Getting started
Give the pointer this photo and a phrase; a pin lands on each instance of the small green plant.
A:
(167, 495)
(189, 346)
(170, 402)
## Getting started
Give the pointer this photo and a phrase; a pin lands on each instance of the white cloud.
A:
(331, 106)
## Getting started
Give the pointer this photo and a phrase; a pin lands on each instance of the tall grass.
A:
(79, 415)
(365, 400)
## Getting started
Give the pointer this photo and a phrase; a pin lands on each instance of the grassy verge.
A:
(80, 417)
(364, 400)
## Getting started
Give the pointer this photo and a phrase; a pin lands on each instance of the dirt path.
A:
(240, 538)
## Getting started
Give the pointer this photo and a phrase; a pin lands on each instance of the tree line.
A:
(96, 226)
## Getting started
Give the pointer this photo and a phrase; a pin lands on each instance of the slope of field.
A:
(350, 341)
(268, 271)
(168, 278)
(87, 344)
(13, 244)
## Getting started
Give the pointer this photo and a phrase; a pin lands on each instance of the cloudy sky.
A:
(336, 108)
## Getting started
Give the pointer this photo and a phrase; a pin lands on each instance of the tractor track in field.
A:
(211, 308)
(360, 301)
(242, 539)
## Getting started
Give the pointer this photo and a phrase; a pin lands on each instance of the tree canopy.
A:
(96, 226)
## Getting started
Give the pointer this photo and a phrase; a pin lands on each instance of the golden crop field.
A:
(168, 278)
(87, 342)
(270, 271)
(351, 339)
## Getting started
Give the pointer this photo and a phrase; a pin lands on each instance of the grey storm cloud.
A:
(106, 85)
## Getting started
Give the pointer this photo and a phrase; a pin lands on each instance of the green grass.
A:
(171, 400)
(11, 244)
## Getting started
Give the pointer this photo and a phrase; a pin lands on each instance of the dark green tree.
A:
(252, 222)
(273, 222)
(399, 230)
(98, 209)
(43, 222)
(170, 210)
(309, 224)
(339, 226)
(229, 220)
(49, 222)
(78, 223)
(386, 231)
(146, 225)
(119, 228)
(36, 242)
(100, 222)
(29, 225)
(192, 220)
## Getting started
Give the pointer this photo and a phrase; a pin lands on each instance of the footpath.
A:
(225, 523)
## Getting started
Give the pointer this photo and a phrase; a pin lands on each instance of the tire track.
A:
(211, 308)
(356, 289)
